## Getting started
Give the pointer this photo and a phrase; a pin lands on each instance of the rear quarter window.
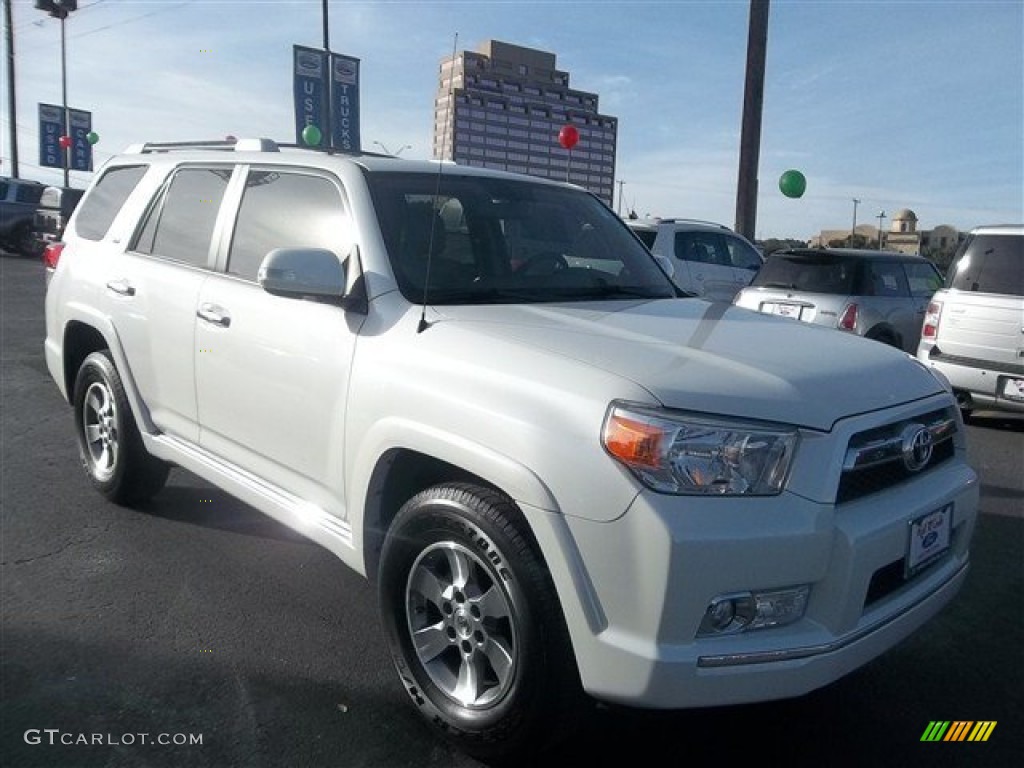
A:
(109, 193)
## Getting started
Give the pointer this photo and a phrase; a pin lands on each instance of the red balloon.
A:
(568, 136)
(64, 141)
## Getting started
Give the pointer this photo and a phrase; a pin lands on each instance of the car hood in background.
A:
(714, 358)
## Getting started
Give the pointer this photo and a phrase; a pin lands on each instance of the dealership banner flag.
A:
(310, 89)
(81, 150)
(51, 128)
(345, 102)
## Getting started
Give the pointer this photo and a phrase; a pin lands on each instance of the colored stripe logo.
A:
(958, 730)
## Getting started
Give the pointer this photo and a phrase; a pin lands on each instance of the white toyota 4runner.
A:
(483, 393)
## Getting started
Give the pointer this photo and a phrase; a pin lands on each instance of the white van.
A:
(973, 331)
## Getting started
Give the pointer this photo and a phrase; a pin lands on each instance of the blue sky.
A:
(897, 104)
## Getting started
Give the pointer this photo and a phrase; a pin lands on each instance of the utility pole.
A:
(750, 140)
(619, 209)
(60, 9)
(881, 215)
(853, 229)
(12, 102)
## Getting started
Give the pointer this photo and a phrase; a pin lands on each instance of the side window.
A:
(703, 248)
(286, 210)
(887, 279)
(647, 236)
(29, 193)
(742, 255)
(923, 279)
(179, 227)
(105, 199)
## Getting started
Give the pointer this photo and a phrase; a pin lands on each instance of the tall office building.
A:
(502, 106)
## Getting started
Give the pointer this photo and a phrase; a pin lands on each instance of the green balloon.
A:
(311, 135)
(792, 183)
(92, 137)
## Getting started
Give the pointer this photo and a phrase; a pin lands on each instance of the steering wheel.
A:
(543, 263)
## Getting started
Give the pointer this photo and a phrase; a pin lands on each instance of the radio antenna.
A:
(423, 324)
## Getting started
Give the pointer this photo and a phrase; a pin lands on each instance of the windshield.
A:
(457, 239)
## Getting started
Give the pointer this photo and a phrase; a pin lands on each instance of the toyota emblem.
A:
(917, 447)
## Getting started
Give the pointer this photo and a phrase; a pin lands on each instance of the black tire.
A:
(109, 443)
(529, 700)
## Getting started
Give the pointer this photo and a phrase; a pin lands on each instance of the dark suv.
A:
(877, 294)
(18, 201)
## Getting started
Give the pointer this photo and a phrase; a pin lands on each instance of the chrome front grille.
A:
(880, 458)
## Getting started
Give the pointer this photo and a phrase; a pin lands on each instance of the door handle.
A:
(211, 313)
(121, 287)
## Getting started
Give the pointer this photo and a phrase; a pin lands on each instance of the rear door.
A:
(154, 291)
(704, 257)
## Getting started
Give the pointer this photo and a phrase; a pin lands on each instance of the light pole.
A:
(619, 209)
(853, 229)
(881, 215)
(60, 9)
(389, 152)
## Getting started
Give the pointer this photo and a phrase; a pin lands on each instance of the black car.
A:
(19, 199)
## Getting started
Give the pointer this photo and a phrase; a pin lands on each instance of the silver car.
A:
(880, 295)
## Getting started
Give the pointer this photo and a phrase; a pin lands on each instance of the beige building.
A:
(902, 235)
(502, 106)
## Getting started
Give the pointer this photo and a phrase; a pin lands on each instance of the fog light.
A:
(740, 611)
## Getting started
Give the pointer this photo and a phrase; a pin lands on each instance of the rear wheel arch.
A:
(80, 341)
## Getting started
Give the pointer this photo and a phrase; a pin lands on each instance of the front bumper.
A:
(635, 590)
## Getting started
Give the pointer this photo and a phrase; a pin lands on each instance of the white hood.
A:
(715, 358)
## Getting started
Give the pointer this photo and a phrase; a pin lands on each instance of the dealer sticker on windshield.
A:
(929, 538)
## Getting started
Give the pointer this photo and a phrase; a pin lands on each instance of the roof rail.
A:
(693, 221)
(227, 145)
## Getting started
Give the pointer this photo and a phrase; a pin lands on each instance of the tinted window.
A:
(886, 278)
(105, 199)
(923, 279)
(989, 264)
(742, 255)
(647, 236)
(282, 210)
(702, 247)
(815, 273)
(180, 226)
(29, 193)
(3, 190)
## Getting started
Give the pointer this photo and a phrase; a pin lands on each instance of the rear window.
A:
(105, 200)
(814, 273)
(989, 264)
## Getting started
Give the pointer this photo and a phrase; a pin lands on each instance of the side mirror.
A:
(300, 272)
(666, 264)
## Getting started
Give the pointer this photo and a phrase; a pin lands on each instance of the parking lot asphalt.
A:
(196, 615)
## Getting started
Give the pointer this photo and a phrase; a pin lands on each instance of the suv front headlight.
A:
(679, 453)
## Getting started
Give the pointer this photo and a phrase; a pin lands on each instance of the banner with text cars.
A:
(323, 80)
(51, 128)
(80, 122)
